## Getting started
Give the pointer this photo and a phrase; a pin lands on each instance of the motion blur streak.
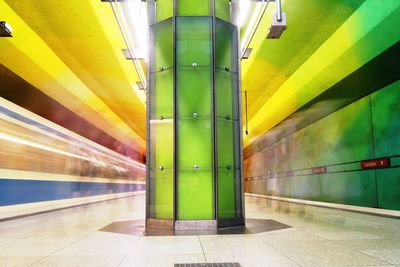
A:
(45, 165)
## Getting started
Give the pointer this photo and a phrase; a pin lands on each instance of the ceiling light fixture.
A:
(257, 14)
(5, 29)
(244, 6)
(131, 17)
(247, 53)
(278, 24)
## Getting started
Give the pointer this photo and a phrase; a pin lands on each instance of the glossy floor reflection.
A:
(317, 237)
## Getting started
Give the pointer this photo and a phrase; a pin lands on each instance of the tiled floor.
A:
(318, 237)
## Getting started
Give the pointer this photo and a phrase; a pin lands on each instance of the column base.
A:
(160, 224)
(196, 225)
(182, 225)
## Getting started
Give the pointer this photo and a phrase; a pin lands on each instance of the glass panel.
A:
(161, 122)
(194, 92)
(195, 200)
(193, 41)
(195, 176)
(224, 51)
(194, 8)
(195, 184)
(163, 46)
(226, 172)
(223, 9)
(194, 142)
(163, 97)
(223, 83)
(228, 130)
(161, 172)
(164, 9)
(225, 143)
(226, 194)
(163, 191)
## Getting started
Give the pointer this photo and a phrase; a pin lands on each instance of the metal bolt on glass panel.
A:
(194, 154)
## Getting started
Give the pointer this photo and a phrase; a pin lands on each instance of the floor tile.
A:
(80, 261)
(19, 260)
(389, 255)
(287, 234)
(166, 245)
(153, 259)
(245, 249)
(369, 244)
(323, 253)
(101, 243)
(345, 235)
(7, 241)
(318, 237)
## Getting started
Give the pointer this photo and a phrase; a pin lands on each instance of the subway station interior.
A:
(200, 133)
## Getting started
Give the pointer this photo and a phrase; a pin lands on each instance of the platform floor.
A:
(316, 237)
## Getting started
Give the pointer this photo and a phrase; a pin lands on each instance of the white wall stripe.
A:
(375, 211)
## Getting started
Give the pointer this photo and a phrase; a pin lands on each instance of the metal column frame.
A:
(239, 97)
(237, 131)
(175, 145)
(214, 109)
(235, 14)
(153, 222)
(151, 20)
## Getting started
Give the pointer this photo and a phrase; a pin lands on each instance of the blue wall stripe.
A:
(14, 192)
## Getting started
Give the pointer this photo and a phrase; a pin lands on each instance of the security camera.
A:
(5, 29)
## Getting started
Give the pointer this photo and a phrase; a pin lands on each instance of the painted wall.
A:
(366, 129)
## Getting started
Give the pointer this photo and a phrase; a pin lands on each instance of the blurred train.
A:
(44, 166)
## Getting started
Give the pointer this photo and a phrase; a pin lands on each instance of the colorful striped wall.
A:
(323, 161)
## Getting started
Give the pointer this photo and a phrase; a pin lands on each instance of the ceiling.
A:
(71, 51)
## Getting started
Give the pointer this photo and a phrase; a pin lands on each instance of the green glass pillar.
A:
(194, 155)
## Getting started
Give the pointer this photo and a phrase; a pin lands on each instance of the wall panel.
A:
(366, 129)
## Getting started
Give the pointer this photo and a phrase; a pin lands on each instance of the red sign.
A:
(375, 163)
(319, 170)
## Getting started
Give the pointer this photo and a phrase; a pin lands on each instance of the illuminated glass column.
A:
(194, 156)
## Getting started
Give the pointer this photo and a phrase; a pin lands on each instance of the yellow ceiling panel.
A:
(359, 39)
(32, 59)
(274, 61)
(85, 36)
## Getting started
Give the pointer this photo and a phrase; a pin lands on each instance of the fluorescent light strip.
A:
(251, 28)
(244, 7)
(128, 38)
